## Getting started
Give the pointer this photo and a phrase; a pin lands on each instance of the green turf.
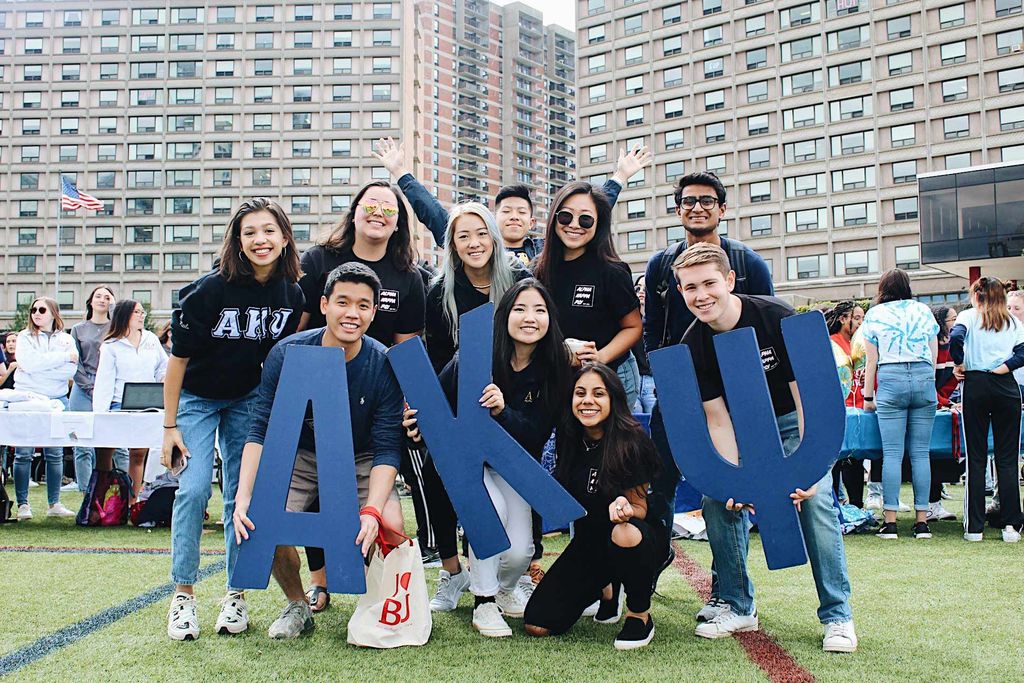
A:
(939, 610)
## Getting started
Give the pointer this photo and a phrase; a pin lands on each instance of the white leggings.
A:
(502, 571)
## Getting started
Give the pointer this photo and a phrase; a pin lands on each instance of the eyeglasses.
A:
(370, 209)
(41, 309)
(585, 220)
(706, 202)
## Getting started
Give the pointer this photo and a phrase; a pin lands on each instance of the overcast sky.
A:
(555, 11)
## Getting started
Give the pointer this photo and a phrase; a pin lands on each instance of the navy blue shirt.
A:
(374, 397)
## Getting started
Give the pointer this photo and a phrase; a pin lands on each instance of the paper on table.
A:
(72, 426)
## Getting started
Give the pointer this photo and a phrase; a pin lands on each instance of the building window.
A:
(714, 132)
(908, 257)
(853, 214)
(807, 267)
(805, 220)
(1011, 118)
(714, 99)
(26, 263)
(714, 67)
(800, 15)
(902, 136)
(1011, 79)
(760, 226)
(760, 192)
(672, 45)
(755, 26)
(713, 36)
(757, 91)
(27, 235)
(757, 125)
(634, 116)
(759, 158)
(852, 108)
(1007, 7)
(904, 171)
(806, 81)
(673, 170)
(800, 49)
(1009, 41)
(953, 53)
(633, 24)
(636, 208)
(847, 74)
(898, 27)
(956, 127)
(901, 99)
(900, 63)
(801, 117)
(952, 16)
(853, 178)
(857, 262)
(140, 235)
(757, 58)
(805, 185)
(674, 139)
(905, 208)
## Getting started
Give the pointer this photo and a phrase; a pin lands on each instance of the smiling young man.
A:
(706, 283)
(349, 304)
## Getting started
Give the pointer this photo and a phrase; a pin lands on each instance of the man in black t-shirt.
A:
(706, 282)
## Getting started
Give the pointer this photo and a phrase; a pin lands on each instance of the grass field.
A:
(938, 610)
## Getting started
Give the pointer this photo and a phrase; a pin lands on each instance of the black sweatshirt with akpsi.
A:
(226, 329)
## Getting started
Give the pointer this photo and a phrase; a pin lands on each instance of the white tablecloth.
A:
(123, 430)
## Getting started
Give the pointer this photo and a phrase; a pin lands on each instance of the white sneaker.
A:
(58, 510)
(711, 609)
(727, 623)
(873, 502)
(70, 486)
(182, 621)
(295, 619)
(234, 616)
(511, 603)
(488, 621)
(1010, 535)
(938, 513)
(592, 610)
(449, 590)
(526, 586)
(903, 506)
(32, 483)
(974, 538)
(839, 638)
(24, 512)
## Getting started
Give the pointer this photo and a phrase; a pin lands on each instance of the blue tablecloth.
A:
(863, 439)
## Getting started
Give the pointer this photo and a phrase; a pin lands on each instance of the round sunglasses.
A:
(585, 221)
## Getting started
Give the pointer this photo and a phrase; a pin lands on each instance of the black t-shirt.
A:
(592, 296)
(764, 314)
(401, 305)
(583, 482)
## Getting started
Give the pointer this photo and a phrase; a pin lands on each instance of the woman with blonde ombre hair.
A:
(987, 345)
(47, 360)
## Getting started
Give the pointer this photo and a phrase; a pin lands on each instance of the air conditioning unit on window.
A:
(1017, 48)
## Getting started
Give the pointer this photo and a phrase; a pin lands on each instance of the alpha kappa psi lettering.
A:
(388, 301)
(769, 360)
(583, 296)
(259, 323)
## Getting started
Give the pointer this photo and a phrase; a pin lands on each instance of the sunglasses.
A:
(706, 202)
(585, 221)
(41, 309)
(388, 211)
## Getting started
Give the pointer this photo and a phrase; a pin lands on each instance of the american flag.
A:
(71, 199)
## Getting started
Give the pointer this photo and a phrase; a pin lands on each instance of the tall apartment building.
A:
(171, 112)
(817, 116)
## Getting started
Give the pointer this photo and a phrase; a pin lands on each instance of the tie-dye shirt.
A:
(901, 330)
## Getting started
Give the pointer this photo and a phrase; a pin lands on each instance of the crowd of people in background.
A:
(572, 331)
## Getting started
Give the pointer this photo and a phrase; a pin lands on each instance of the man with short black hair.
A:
(375, 400)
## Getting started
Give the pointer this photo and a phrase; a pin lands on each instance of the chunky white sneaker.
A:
(873, 502)
(182, 622)
(937, 513)
(727, 623)
(903, 506)
(974, 538)
(839, 638)
(32, 483)
(449, 590)
(511, 603)
(234, 616)
(1010, 535)
(70, 486)
(711, 609)
(296, 618)
(526, 587)
(488, 621)
(24, 512)
(59, 510)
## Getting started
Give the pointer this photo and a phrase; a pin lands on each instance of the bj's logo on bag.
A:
(391, 611)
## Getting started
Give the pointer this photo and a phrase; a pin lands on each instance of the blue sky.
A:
(555, 11)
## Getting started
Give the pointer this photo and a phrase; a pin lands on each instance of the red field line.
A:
(772, 658)
(99, 550)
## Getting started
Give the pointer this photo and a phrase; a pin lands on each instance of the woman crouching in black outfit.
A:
(606, 461)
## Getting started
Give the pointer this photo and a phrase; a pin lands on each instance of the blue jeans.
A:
(629, 373)
(905, 402)
(200, 421)
(729, 535)
(85, 458)
(54, 458)
(645, 399)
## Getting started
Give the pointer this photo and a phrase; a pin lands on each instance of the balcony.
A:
(472, 53)
(469, 101)
(471, 70)
(472, 184)
(472, 119)
(471, 134)
(472, 87)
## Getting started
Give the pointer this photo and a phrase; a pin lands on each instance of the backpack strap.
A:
(738, 262)
(665, 279)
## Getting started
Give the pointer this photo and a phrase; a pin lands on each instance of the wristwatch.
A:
(869, 398)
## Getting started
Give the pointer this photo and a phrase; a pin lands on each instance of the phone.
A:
(178, 461)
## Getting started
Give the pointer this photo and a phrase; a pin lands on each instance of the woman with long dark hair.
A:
(228, 321)
(129, 353)
(901, 345)
(376, 232)
(531, 367)
(606, 461)
(88, 336)
(10, 360)
(843, 320)
(47, 359)
(598, 308)
(987, 345)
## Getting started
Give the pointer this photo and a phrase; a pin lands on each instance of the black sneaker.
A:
(610, 611)
(921, 530)
(670, 557)
(888, 531)
(635, 633)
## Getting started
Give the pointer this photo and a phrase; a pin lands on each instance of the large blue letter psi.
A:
(461, 445)
(765, 476)
(310, 374)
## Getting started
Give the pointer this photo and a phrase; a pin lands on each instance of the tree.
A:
(20, 321)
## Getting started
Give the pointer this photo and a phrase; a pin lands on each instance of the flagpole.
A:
(60, 212)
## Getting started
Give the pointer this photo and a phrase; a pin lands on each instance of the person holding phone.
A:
(228, 321)
(47, 360)
(349, 304)
(129, 353)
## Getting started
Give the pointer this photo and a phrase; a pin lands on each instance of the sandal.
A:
(313, 598)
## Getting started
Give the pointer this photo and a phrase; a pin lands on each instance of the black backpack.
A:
(737, 261)
(6, 504)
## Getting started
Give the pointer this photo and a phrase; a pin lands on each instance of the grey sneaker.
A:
(711, 609)
(449, 589)
(295, 620)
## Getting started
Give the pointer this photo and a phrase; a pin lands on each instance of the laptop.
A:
(143, 396)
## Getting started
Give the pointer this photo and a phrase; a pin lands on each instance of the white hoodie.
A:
(121, 362)
(44, 363)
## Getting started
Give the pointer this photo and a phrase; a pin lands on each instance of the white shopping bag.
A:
(395, 610)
